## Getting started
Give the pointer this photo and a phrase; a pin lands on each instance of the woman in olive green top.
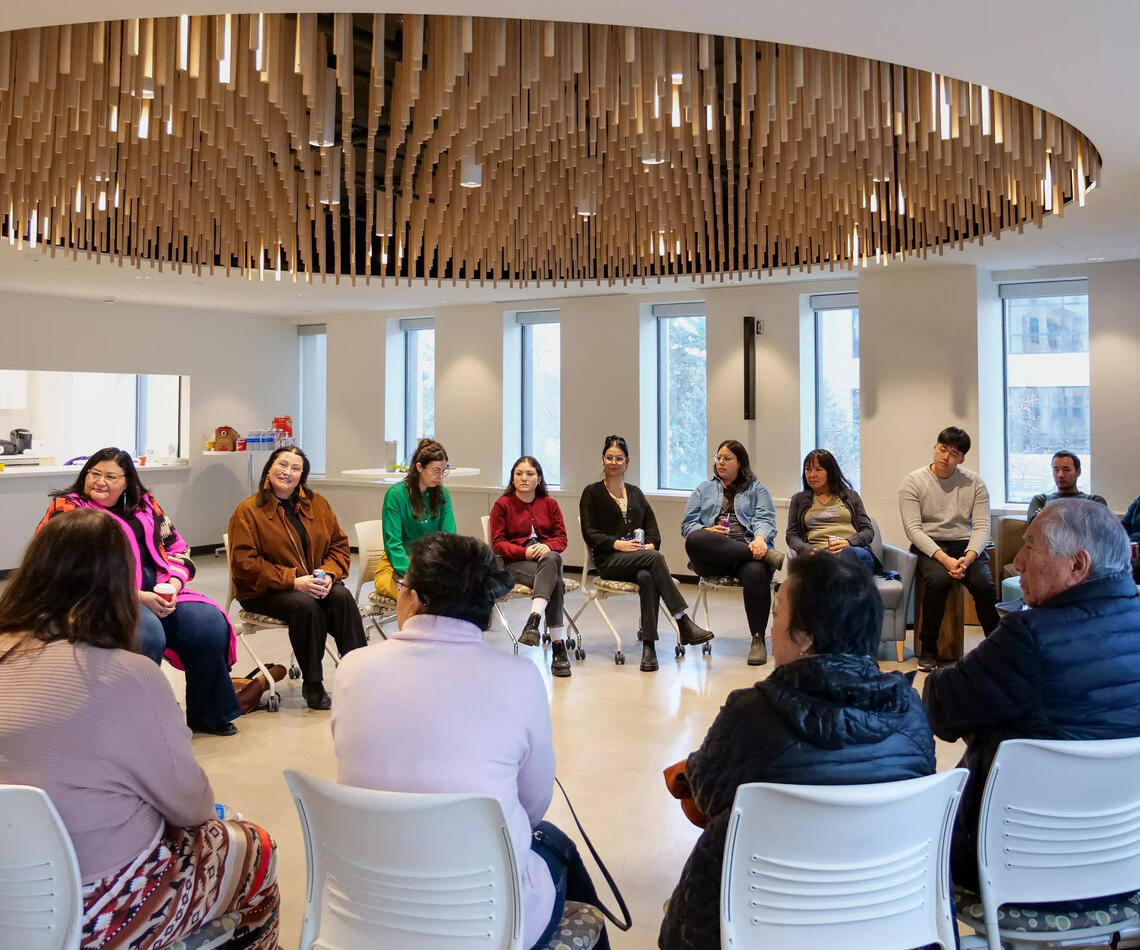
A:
(416, 507)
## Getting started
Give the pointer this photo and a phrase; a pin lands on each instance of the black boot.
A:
(315, 696)
(691, 634)
(559, 662)
(648, 657)
(529, 635)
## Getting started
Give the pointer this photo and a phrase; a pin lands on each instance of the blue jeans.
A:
(200, 635)
(552, 849)
(861, 556)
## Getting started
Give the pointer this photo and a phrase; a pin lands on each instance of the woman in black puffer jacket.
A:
(826, 716)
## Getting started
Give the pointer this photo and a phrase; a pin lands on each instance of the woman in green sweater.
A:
(416, 507)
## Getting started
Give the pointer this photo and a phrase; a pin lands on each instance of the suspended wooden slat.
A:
(527, 151)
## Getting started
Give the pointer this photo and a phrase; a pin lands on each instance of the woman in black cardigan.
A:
(610, 512)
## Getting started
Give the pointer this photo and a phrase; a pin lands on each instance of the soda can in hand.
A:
(639, 535)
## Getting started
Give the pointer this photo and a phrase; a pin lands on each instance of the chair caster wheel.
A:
(273, 703)
(294, 672)
(579, 654)
(545, 639)
(619, 658)
(679, 651)
(706, 649)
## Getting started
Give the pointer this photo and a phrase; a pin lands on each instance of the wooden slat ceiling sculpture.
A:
(468, 149)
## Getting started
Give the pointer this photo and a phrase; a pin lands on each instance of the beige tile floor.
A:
(615, 729)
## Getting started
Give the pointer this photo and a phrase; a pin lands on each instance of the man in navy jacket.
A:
(1068, 667)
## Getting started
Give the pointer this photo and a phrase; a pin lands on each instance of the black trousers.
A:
(712, 554)
(310, 620)
(936, 584)
(649, 570)
(544, 577)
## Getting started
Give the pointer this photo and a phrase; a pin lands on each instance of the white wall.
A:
(242, 369)
(925, 330)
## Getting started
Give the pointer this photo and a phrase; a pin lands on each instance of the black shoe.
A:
(758, 654)
(648, 657)
(928, 662)
(559, 661)
(691, 634)
(213, 729)
(316, 696)
(529, 635)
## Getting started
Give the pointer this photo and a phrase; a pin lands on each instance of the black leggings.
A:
(713, 555)
(649, 570)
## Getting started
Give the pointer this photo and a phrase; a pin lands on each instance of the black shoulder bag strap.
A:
(627, 921)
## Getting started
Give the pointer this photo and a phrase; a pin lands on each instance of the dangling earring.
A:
(265, 484)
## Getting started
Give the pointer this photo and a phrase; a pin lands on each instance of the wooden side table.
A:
(951, 635)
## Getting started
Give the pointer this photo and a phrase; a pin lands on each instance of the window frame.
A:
(1022, 290)
(526, 320)
(409, 327)
(818, 305)
(305, 436)
(662, 314)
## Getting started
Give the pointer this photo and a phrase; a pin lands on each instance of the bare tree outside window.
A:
(682, 368)
(1046, 389)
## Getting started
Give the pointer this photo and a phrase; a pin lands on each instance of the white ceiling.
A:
(1075, 61)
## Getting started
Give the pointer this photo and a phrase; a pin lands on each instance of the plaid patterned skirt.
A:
(190, 877)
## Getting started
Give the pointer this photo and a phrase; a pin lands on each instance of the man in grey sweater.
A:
(946, 515)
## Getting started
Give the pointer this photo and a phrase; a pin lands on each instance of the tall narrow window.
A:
(837, 379)
(542, 390)
(419, 382)
(310, 432)
(682, 385)
(1046, 345)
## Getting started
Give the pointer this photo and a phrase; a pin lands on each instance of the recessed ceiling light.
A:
(1095, 259)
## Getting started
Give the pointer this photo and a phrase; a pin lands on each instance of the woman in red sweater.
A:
(528, 533)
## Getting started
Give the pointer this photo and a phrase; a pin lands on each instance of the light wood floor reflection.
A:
(615, 729)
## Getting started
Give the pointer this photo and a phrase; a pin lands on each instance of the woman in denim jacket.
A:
(729, 525)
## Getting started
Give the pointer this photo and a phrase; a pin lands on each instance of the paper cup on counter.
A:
(165, 591)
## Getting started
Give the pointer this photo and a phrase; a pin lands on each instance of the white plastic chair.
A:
(520, 591)
(1060, 822)
(41, 900)
(863, 867)
(407, 871)
(250, 623)
(370, 545)
(600, 590)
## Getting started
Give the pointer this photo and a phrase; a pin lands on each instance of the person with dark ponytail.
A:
(416, 507)
(611, 512)
(289, 559)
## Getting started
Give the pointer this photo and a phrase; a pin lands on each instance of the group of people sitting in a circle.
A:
(102, 593)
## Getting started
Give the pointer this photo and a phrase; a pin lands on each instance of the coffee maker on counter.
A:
(19, 440)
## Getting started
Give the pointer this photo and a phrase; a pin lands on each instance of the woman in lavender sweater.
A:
(96, 726)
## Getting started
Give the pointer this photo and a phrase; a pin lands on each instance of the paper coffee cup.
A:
(165, 591)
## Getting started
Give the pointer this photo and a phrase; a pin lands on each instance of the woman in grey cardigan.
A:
(828, 515)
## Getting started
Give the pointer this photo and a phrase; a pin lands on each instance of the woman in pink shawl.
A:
(192, 631)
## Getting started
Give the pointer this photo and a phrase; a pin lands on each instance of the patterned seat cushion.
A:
(260, 620)
(380, 600)
(619, 587)
(580, 928)
(1053, 918)
(720, 582)
(216, 934)
(570, 585)
(519, 590)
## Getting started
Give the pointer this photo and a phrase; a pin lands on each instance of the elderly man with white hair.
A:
(1067, 667)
